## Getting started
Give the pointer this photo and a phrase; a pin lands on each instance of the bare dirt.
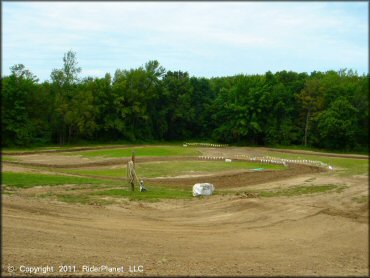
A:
(316, 235)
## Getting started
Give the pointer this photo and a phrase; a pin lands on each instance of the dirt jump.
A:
(238, 233)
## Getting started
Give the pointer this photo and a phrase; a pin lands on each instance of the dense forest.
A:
(322, 109)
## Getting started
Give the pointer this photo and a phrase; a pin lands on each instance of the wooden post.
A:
(130, 174)
(132, 181)
(133, 157)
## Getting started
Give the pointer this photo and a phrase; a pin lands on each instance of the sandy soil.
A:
(318, 234)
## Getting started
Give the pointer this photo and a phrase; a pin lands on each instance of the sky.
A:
(206, 39)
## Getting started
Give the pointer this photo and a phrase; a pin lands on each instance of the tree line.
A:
(322, 109)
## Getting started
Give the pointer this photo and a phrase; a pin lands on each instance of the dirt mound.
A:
(211, 236)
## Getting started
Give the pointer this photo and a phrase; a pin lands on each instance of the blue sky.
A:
(206, 39)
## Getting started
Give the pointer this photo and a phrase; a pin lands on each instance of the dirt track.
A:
(241, 179)
(320, 234)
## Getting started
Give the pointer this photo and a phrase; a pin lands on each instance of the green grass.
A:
(176, 168)
(350, 166)
(83, 143)
(141, 151)
(82, 199)
(66, 146)
(7, 158)
(26, 180)
(118, 172)
(153, 194)
(303, 148)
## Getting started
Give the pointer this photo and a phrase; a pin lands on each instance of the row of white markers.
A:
(271, 160)
(205, 145)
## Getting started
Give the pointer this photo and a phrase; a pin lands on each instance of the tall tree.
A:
(17, 94)
(65, 83)
(338, 125)
(311, 101)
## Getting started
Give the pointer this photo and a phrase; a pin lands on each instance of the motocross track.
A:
(315, 234)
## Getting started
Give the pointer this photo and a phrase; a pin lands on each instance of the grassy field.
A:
(303, 148)
(7, 158)
(26, 180)
(141, 151)
(118, 144)
(114, 195)
(176, 168)
(344, 166)
(102, 189)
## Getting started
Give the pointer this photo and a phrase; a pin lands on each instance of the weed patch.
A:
(26, 180)
(301, 190)
(360, 199)
(153, 194)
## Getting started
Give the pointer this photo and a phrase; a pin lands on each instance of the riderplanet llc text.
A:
(27, 269)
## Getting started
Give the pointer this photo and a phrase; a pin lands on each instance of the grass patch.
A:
(153, 194)
(83, 143)
(26, 180)
(142, 151)
(176, 168)
(360, 199)
(349, 166)
(7, 158)
(117, 172)
(82, 199)
(301, 190)
(7, 192)
(303, 148)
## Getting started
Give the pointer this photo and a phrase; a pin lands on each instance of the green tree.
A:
(177, 105)
(65, 82)
(18, 91)
(338, 125)
(311, 100)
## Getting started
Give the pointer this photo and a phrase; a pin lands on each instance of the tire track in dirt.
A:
(240, 179)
